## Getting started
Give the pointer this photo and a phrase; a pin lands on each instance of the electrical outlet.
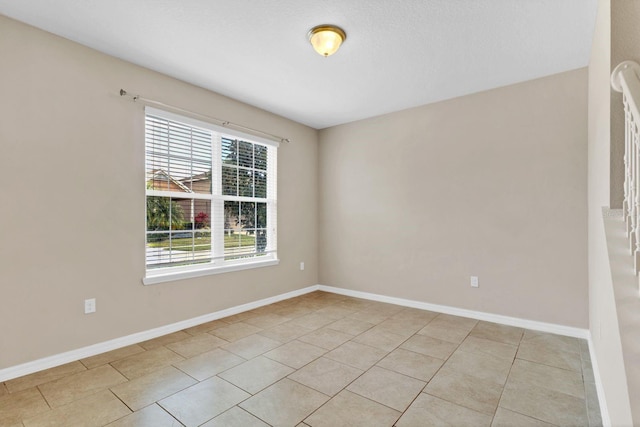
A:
(474, 282)
(301, 266)
(89, 306)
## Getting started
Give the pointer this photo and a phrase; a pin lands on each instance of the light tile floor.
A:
(320, 360)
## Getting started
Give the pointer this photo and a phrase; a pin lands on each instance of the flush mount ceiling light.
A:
(326, 39)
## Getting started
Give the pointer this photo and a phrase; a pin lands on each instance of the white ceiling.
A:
(398, 53)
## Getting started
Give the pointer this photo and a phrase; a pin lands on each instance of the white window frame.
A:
(218, 264)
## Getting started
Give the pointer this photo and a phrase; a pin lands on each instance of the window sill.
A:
(179, 275)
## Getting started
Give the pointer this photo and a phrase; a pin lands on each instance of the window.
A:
(211, 198)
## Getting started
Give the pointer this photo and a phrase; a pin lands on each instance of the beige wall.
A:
(72, 227)
(492, 184)
(605, 175)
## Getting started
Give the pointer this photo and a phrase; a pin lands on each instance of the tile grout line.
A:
(367, 370)
(530, 361)
(351, 382)
(124, 403)
(305, 365)
(504, 386)
(43, 396)
(438, 370)
(364, 371)
(167, 412)
(374, 365)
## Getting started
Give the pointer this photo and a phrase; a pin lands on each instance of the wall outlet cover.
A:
(474, 282)
(89, 306)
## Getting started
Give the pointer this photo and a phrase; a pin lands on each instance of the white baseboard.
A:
(92, 350)
(604, 410)
(496, 318)
(489, 317)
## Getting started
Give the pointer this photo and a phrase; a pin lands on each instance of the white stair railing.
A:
(625, 78)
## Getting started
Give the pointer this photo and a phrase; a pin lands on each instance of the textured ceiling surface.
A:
(398, 54)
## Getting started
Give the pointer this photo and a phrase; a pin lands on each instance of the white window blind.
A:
(211, 196)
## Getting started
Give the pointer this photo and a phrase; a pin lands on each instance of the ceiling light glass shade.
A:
(326, 39)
